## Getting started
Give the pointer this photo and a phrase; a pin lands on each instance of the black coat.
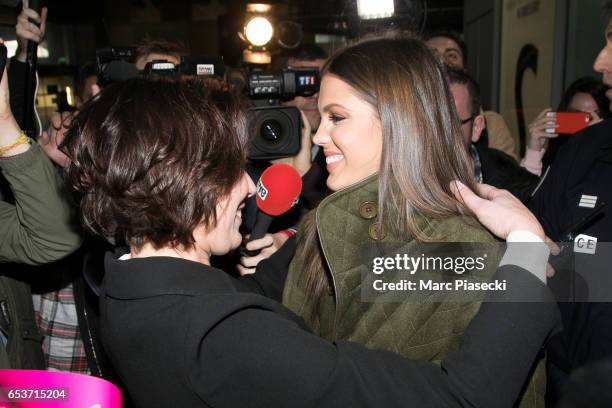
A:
(183, 334)
(582, 167)
(502, 171)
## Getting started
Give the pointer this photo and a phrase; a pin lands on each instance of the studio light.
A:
(370, 9)
(258, 31)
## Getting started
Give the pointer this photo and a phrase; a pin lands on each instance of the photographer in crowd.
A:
(309, 162)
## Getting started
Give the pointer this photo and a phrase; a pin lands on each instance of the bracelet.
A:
(21, 139)
(288, 232)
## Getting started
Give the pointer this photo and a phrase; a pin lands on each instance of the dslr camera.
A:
(276, 130)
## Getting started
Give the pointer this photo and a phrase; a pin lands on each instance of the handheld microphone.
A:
(30, 79)
(278, 190)
(32, 46)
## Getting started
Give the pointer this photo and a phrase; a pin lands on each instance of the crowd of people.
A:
(115, 223)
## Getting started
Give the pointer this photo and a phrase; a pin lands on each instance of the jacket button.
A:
(368, 210)
(377, 231)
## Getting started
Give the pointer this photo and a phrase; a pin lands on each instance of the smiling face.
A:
(350, 134)
(225, 235)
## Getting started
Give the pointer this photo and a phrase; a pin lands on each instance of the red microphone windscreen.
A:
(278, 189)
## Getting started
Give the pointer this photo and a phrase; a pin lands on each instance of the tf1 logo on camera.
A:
(307, 80)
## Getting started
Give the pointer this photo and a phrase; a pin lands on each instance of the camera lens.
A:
(271, 131)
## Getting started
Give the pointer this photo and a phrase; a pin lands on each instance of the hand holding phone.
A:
(541, 129)
(569, 123)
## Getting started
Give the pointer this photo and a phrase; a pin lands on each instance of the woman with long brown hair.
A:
(392, 143)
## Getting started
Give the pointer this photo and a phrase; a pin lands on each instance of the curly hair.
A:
(151, 158)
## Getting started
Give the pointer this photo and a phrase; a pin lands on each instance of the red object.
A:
(278, 189)
(571, 122)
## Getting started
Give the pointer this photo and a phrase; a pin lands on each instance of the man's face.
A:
(90, 89)
(449, 50)
(145, 59)
(307, 104)
(471, 125)
(603, 62)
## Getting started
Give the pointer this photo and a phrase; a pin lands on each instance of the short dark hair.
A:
(152, 157)
(589, 85)
(157, 46)
(453, 35)
(460, 76)
(305, 52)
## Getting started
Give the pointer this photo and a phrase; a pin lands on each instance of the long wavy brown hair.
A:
(404, 81)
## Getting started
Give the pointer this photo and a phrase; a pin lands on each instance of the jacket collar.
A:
(603, 130)
(154, 276)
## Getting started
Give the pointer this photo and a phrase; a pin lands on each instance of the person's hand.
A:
(28, 31)
(9, 129)
(51, 138)
(541, 130)
(498, 210)
(267, 246)
(303, 159)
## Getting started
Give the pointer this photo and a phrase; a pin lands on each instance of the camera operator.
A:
(309, 161)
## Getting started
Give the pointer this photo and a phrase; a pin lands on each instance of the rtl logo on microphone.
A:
(262, 191)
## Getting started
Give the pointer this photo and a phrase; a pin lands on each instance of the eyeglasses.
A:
(464, 121)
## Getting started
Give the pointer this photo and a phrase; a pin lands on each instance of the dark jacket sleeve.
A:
(259, 358)
(502, 171)
(314, 182)
(269, 280)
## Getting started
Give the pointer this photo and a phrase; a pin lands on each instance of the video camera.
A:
(276, 130)
(116, 64)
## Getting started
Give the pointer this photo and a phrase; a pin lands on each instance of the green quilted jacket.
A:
(346, 220)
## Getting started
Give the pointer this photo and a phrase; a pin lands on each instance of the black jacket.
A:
(183, 334)
(582, 167)
(502, 171)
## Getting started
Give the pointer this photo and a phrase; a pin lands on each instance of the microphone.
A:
(278, 190)
(30, 79)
